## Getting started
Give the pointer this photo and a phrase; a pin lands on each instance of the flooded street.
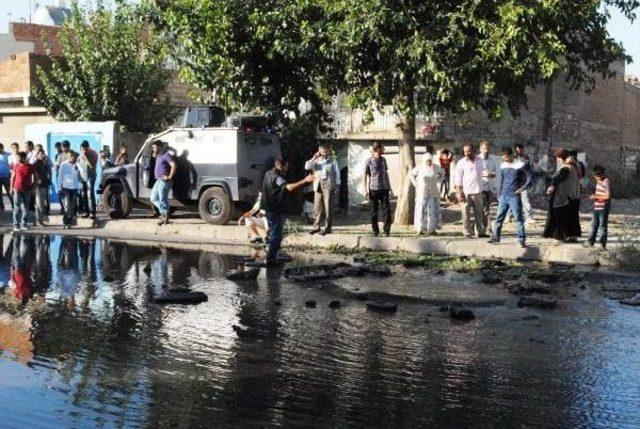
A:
(83, 345)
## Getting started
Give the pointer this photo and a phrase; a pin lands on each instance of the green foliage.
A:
(419, 56)
(114, 67)
(455, 56)
(259, 55)
(292, 228)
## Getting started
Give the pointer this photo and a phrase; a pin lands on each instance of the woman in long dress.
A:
(425, 178)
(563, 221)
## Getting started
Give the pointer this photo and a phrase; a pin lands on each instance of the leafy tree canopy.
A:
(254, 54)
(419, 56)
(113, 67)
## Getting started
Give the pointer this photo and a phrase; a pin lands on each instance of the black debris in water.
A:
(310, 303)
(538, 301)
(244, 275)
(244, 332)
(334, 271)
(531, 317)
(460, 313)
(334, 304)
(382, 306)
(190, 298)
(634, 301)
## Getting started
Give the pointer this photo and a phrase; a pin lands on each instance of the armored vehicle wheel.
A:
(214, 206)
(115, 201)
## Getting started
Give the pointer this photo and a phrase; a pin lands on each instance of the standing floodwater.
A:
(83, 345)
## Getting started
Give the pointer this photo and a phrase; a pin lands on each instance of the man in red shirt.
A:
(22, 180)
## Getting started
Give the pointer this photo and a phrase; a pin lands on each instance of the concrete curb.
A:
(196, 232)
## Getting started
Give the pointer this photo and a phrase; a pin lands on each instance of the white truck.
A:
(228, 164)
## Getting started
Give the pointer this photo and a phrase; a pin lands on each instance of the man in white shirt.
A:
(32, 154)
(325, 187)
(490, 170)
(68, 185)
(467, 177)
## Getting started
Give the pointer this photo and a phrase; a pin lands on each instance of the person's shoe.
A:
(387, 233)
(326, 231)
(483, 235)
(314, 231)
(571, 240)
(523, 244)
(86, 215)
(375, 234)
(66, 226)
(587, 244)
(468, 236)
(93, 216)
(160, 222)
(257, 240)
(166, 220)
(24, 228)
(433, 233)
(16, 229)
(493, 241)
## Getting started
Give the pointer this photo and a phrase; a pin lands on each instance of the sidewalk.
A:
(346, 238)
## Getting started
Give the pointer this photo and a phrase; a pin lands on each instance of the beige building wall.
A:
(12, 125)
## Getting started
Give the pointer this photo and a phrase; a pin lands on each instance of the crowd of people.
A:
(28, 174)
(480, 181)
(483, 184)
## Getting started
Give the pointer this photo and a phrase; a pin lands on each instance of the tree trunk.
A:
(407, 146)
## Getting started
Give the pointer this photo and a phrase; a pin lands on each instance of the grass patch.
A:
(627, 254)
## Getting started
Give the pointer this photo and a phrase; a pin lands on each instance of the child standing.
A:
(601, 206)
(68, 184)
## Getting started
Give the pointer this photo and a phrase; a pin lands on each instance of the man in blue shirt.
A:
(165, 170)
(515, 178)
(5, 176)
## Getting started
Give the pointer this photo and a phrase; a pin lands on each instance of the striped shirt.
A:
(602, 188)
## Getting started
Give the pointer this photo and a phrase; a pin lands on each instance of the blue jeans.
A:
(21, 201)
(276, 226)
(69, 201)
(600, 222)
(160, 195)
(88, 196)
(506, 203)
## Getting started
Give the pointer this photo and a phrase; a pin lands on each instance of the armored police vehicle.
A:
(223, 165)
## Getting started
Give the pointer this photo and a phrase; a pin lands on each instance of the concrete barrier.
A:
(195, 232)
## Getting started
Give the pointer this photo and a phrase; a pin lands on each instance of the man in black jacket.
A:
(274, 189)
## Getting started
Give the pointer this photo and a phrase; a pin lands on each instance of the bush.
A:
(627, 253)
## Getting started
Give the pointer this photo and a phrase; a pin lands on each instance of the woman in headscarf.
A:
(425, 178)
(563, 223)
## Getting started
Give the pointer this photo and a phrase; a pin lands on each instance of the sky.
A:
(619, 27)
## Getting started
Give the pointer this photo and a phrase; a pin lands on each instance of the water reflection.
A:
(99, 353)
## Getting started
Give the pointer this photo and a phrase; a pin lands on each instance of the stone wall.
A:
(604, 124)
